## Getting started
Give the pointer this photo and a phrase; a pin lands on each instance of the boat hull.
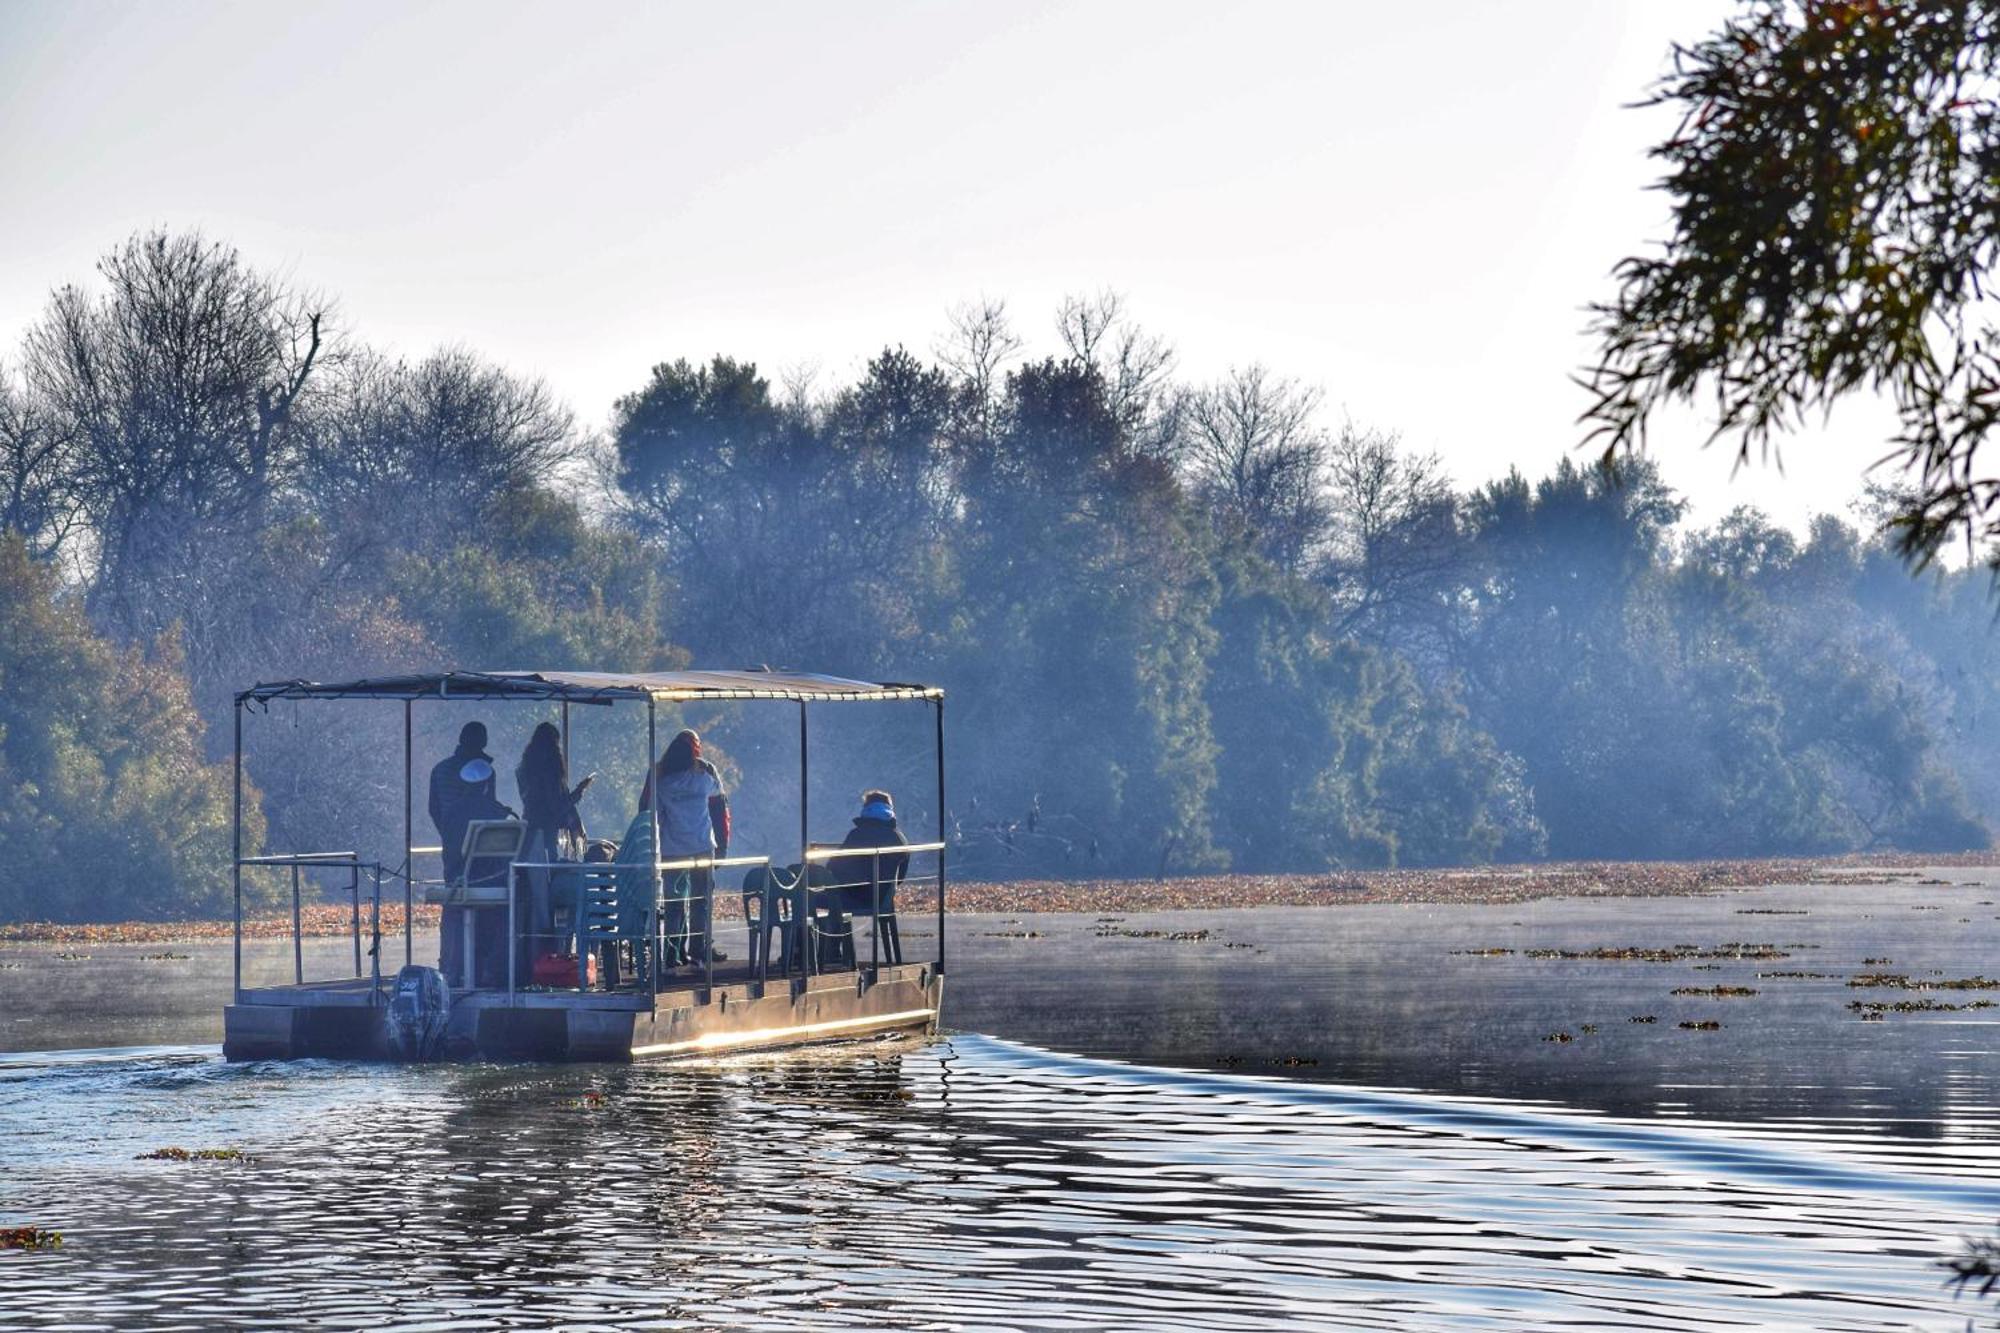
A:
(349, 1020)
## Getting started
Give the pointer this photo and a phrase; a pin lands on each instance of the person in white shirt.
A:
(693, 813)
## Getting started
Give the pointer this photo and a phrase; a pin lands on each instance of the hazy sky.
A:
(1408, 205)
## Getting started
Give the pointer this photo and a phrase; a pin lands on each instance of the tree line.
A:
(1184, 626)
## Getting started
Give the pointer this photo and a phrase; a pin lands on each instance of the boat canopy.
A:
(599, 687)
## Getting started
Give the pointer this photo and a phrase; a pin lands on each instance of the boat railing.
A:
(299, 863)
(804, 949)
(656, 917)
(822, 855)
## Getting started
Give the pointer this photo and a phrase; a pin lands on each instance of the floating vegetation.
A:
(1643, 1018)
(163, 957)
(72, 958)
(1483, 953)
(1795, 976)
(1588, 1029)
(1673, 953)
(1772, 911)
(1897, 981)
(1877, 962)
(1559, 1037)
(1179, 936)
(1917, 1006)
(1294, 1061)
(1698, 1024)
(193, 1155)
(1706, 967)
(1237, 944)
(1014, 934)
(10, 967)
(1718, 992)
(29, 1238)
(590, 1101)
(1871, 1017)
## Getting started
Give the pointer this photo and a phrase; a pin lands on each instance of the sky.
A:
(1409, 206)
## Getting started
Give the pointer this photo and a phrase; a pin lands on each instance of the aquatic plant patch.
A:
(29, 1238)
(1673, 953)
(1898, 981)
(1178, 936)
(1917, 1006)
(193, 1155)
(1717, 992)
(1698, 1025)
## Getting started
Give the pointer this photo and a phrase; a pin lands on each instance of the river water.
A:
(968, 1183)
(1349, 1118)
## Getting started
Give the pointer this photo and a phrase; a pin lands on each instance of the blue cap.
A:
(479, 770)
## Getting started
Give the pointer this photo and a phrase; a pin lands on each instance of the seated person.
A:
(851, 889)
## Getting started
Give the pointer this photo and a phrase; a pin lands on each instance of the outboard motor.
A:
(419, 1014)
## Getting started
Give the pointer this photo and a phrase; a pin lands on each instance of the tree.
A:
(37, 501)
(1395, 557)
(1253, 453)
(107, 807)
(177, 391)
(1836, 186)
(1134, 364)
(405, 456)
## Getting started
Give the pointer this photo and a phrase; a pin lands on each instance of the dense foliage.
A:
(1183, 626)
(1835, 180)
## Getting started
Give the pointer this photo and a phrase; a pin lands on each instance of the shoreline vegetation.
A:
(1188, 626)
(1443, 887)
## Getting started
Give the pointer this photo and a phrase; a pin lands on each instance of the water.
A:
(966, 1184)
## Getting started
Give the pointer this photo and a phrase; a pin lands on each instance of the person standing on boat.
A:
(462, 790)
(693, 813)
(555, 833)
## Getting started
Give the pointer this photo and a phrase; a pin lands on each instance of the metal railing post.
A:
(409, 842)
(874, 918)
(938, 707)
(655, 942)
(375, 934)
(298, 942)
(708, 937)
(354, 892)
(807, 947)
(236, 856)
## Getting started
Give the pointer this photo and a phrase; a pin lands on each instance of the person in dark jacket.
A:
(555, 833)
(874, 827)
(462, 790)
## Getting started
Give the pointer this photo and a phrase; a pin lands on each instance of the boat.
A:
(648, 1009)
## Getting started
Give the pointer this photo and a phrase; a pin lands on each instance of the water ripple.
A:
(971, 1184)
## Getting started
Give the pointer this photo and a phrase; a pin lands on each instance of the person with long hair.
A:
(555, 833)
(686, 794)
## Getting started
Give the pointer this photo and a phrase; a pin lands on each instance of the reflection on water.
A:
(966, 1184)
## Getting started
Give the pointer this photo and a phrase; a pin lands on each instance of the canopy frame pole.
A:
(409, 843)
(937, 706)
(236, 842)
(655, 943)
